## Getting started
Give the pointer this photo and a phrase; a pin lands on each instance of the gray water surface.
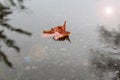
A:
(85, 58)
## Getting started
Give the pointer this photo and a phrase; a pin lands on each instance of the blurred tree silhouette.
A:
(15, 3)
(112, 37)
(5, 10)
(107, 58)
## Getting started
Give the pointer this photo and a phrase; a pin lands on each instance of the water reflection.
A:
(105, 60)
(6, 10)
(5, 59)
(18, 3)
(64, 38)
(112, 37)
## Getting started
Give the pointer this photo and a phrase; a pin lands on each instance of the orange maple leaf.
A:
(58, 33)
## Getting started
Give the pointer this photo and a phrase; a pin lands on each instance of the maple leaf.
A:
(58, 33)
